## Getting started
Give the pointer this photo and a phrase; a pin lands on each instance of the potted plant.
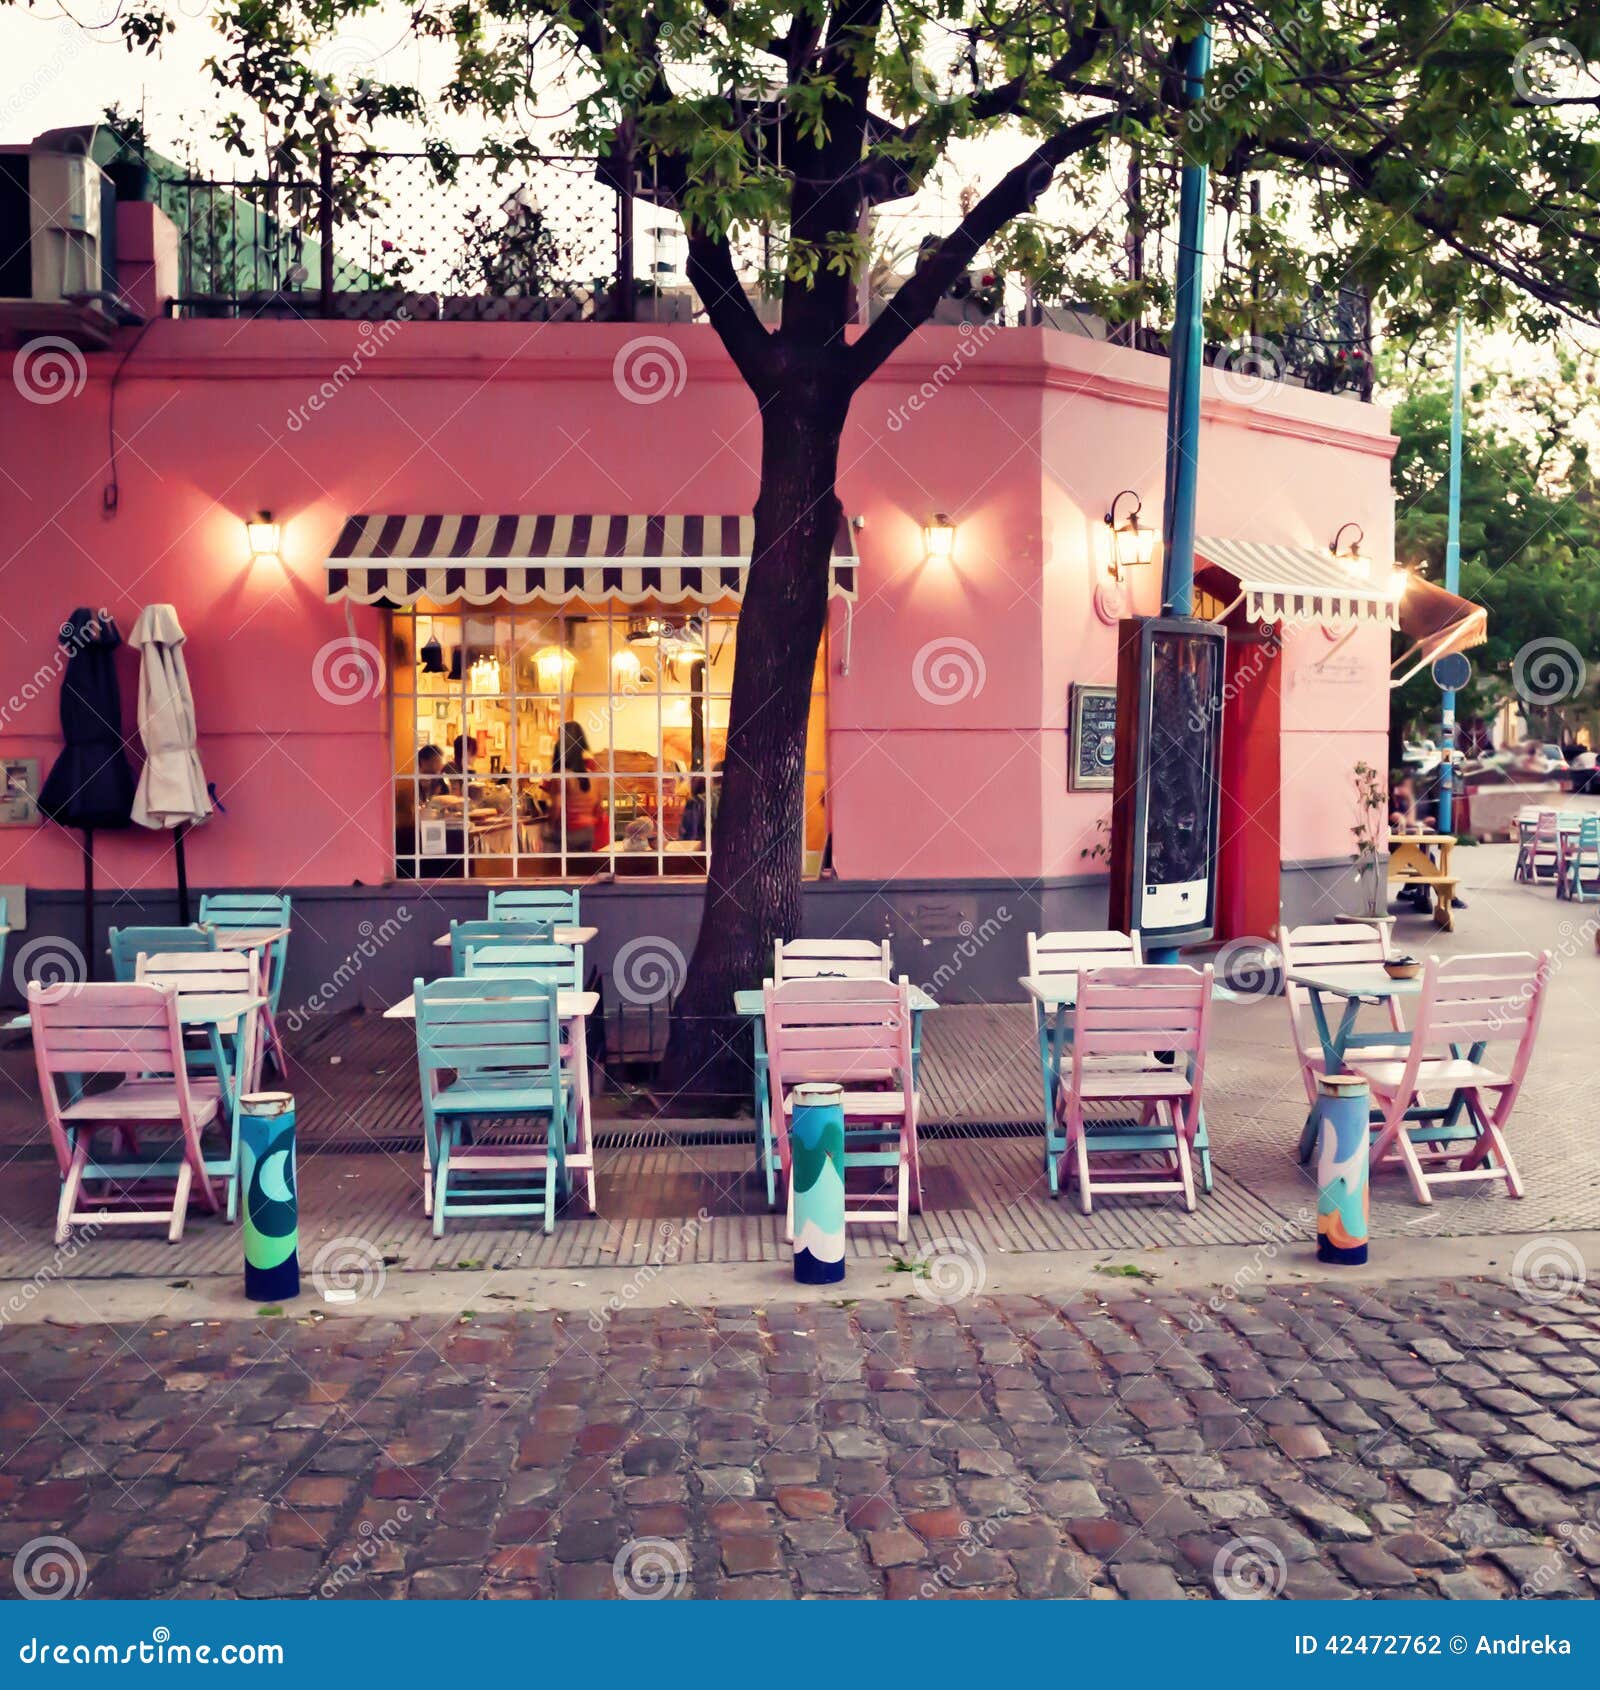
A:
(127, 166)
(1371, 794)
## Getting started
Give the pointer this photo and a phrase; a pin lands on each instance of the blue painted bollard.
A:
(271, 1208)
(1343, 1107)
(816, 1147)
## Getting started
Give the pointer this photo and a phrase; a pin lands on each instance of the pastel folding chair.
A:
(831, 959)
(110, 1173)
(489, 1055)
(1544, 855)
(551, 906)
(1472, 1041)
(1159, 1016)
(1583, 858)
(1059, 958)
(226, 1047)
(857, 1034)
(465, 935)
(249, 911)
(128, 944)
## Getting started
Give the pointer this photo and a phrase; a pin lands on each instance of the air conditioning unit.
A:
(64, 191)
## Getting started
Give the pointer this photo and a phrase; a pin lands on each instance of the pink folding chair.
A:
(1468, 1005)
(1544, 858)
(857, 1034)
(1138, 1037)
(1328, 950)
(133, 1031)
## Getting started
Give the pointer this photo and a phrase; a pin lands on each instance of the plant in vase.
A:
(1371, 794)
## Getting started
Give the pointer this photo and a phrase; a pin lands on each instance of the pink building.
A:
(941, 804)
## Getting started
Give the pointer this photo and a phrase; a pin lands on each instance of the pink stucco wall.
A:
(946, 738)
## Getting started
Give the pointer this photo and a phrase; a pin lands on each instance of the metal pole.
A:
(1452, 581)
(1187, 359)
(325, 228)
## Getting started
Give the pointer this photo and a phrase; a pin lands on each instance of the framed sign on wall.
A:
(19, 793)
(1091, 738)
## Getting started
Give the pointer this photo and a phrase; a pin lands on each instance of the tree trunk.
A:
(753, 889)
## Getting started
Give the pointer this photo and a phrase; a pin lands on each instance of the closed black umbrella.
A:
(91, 785)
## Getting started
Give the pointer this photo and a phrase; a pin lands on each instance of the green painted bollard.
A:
(816, 1145)
(271, 1208)
(1343, 1109)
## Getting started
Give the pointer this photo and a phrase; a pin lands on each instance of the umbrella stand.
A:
(88, 904)
(183, 873)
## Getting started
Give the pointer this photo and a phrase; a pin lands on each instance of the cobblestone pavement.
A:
(1420, 1439)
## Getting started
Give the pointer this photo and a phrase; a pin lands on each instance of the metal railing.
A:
(538, 237)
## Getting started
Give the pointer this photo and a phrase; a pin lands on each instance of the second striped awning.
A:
(1303, 583)
(555, 559)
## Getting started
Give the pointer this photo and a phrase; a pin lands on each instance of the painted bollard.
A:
(271, 1208)
(816, 1147)
(1343, 1108)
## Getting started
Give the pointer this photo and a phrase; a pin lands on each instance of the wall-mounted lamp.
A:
(1132, 544)
(1348, 552)
(939, 537)
(265, 537)
(626, 667)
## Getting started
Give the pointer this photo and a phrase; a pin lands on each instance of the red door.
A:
(1250, 857)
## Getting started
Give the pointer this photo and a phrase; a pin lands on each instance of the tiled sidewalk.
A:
(1426, 1439)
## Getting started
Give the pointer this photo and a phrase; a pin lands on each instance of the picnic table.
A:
(1057, 997)
(1353, 986)
(751, 1004)
(1411, 865)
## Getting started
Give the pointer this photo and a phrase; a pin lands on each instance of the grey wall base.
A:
(963, 941)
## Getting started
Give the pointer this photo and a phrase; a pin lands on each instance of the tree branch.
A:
(1015, 193)
(713, 277)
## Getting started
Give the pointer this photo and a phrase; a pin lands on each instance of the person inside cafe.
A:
(575, 801)
(460, 764)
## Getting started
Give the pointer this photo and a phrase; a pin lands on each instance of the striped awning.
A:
(554, 559)
(1304, 583)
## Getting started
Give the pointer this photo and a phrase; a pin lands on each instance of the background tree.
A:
(1530, 540)
(1436, 156)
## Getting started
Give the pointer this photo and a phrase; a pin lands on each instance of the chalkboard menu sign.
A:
(1092, 738)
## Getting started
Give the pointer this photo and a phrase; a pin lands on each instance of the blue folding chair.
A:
(1584, 855)
(128, 944)
(553, 906)
(465, 935)
(503, 1054)
(235, 911)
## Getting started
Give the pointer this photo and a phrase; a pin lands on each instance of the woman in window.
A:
(573, 796)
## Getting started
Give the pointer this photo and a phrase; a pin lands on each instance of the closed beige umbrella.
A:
(172, 787)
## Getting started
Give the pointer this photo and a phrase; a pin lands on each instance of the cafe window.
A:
(533, 746)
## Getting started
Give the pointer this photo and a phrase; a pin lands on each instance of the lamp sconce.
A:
(265, 537)
(1132, 544)
(1349, 552)
(939, 537)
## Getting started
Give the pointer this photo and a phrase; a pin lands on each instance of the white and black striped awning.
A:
(554, 559)
(1303, 583)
